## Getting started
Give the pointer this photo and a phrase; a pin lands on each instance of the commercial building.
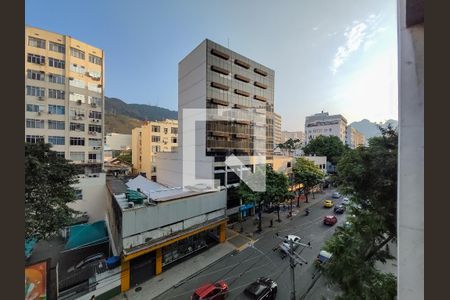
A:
(286, 135)
(354, 138)
(276, 129)
(151, 138)
(214, 77)
(325, 124)
(64, 89)
(153, 226)
(118, 141)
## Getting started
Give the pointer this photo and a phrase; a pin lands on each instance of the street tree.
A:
(277, 190)
(307, 173)
(290, 145)
(369, 176)
(48, 190)
(329, 146)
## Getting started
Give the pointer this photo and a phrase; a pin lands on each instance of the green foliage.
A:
(369, 176)
(329, 146)
(125, 157)
(48, 190)
(306, 172)
(290, 145)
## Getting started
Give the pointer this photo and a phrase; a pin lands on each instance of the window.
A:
(156, 148)
(156, 128)
(35, 107)
(77, 112)
(78, 194)
(95, 101)
(156, 138)
(35, 75)
(60, 154)
(56, 63)
(95, 142)
(35, 91)
(33, 123)
(76, 126)
(34, 139)
(94, 87)
(166, 130)
(36, 59)
(77, 156)
(56, 94)
(174, 140)
(76, 141)
(56, 140)
(54, 78)
(95, 59)
(95, 74)
(95, 114)
(77, 69)
(77, 97)
(93, 156)
(77, 83)
(174, 130)
(59, 125)
(95, 128)
(35, 42)
(77, 53)
(52, 46)
(56, 109)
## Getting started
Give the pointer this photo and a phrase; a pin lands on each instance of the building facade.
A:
(276, 129)
(354, 138)
(118, 141)
(286, 135)
(325, 124)
(64, 104)
(151, 138)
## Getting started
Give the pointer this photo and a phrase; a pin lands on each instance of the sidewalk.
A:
(177, 274)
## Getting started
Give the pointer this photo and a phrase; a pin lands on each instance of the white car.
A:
(345, 201)
(285, 245)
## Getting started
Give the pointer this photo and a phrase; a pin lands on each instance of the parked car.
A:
(339, 209)
(285, 245)
(328, 203)
(87, 261)
(323, 257)
(345, 201)
(336, 195)
(211, 291)
(329, 220)
(263, 288)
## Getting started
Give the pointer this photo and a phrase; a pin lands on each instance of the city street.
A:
(260, 259)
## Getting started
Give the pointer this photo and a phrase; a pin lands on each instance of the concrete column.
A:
(222, 232)
(125, 276)
(158, 261)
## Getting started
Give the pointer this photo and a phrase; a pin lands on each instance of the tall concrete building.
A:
(64, 88)
(354, 138)
(326, 125)
(215, 77)
(151, 138)
(276, 129)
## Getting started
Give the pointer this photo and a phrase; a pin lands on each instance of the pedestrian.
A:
(271, 222)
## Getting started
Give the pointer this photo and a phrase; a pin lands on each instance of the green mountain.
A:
(370, 129)
(121, 117)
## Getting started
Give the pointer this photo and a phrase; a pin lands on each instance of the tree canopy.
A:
(369, 176)
(329, 146)
(48, 190)
(307, 173)
(290, 145)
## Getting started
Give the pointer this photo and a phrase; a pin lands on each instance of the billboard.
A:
(36, 281)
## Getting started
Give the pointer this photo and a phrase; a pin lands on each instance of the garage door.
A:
(142, 268)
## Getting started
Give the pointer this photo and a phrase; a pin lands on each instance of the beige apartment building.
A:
(276, 129)
(64, 89)
(286, 135)
(354, 138)
(151, 138)
(325, 124)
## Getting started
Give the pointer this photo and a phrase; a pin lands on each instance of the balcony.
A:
(220, 86)
(260, 72)
(260, 85)
(241, 78)
(220, 70)
(260, 98)
(242, 93)
(242, 63)
(219, 101)
(220, 54)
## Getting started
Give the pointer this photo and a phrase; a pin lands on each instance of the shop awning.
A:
(86, 235)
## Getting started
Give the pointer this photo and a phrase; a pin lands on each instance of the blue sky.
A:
(334, 55)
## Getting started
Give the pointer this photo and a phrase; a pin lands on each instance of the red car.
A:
(330, 220)
(211, 291)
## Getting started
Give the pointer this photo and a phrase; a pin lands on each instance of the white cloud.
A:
(360, 33)
(315, 28)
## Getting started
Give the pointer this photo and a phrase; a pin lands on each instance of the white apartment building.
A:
(325, 124)
(64, 89)
(286, 135)
(118, 141)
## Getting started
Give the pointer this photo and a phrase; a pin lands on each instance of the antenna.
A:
(228, 42)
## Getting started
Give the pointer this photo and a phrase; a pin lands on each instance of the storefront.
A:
(246, 209)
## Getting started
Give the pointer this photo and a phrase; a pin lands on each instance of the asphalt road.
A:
(240, 269)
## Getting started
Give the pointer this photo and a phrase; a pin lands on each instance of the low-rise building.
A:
(153, 226)
(149, 139)
(320, 161)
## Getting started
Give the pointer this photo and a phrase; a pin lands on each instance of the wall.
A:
(411, 159)
(94, 197)
(117, 141)
(318, 161)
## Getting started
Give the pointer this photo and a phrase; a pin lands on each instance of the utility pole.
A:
(292, 265)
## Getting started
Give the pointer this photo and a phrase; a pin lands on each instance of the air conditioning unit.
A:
(39, 113)
(74, 118)
(93, 105)
(41, 98)
(49, 112)
(98, 121)
(130, 204)
(79, 102)
(80, 118)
